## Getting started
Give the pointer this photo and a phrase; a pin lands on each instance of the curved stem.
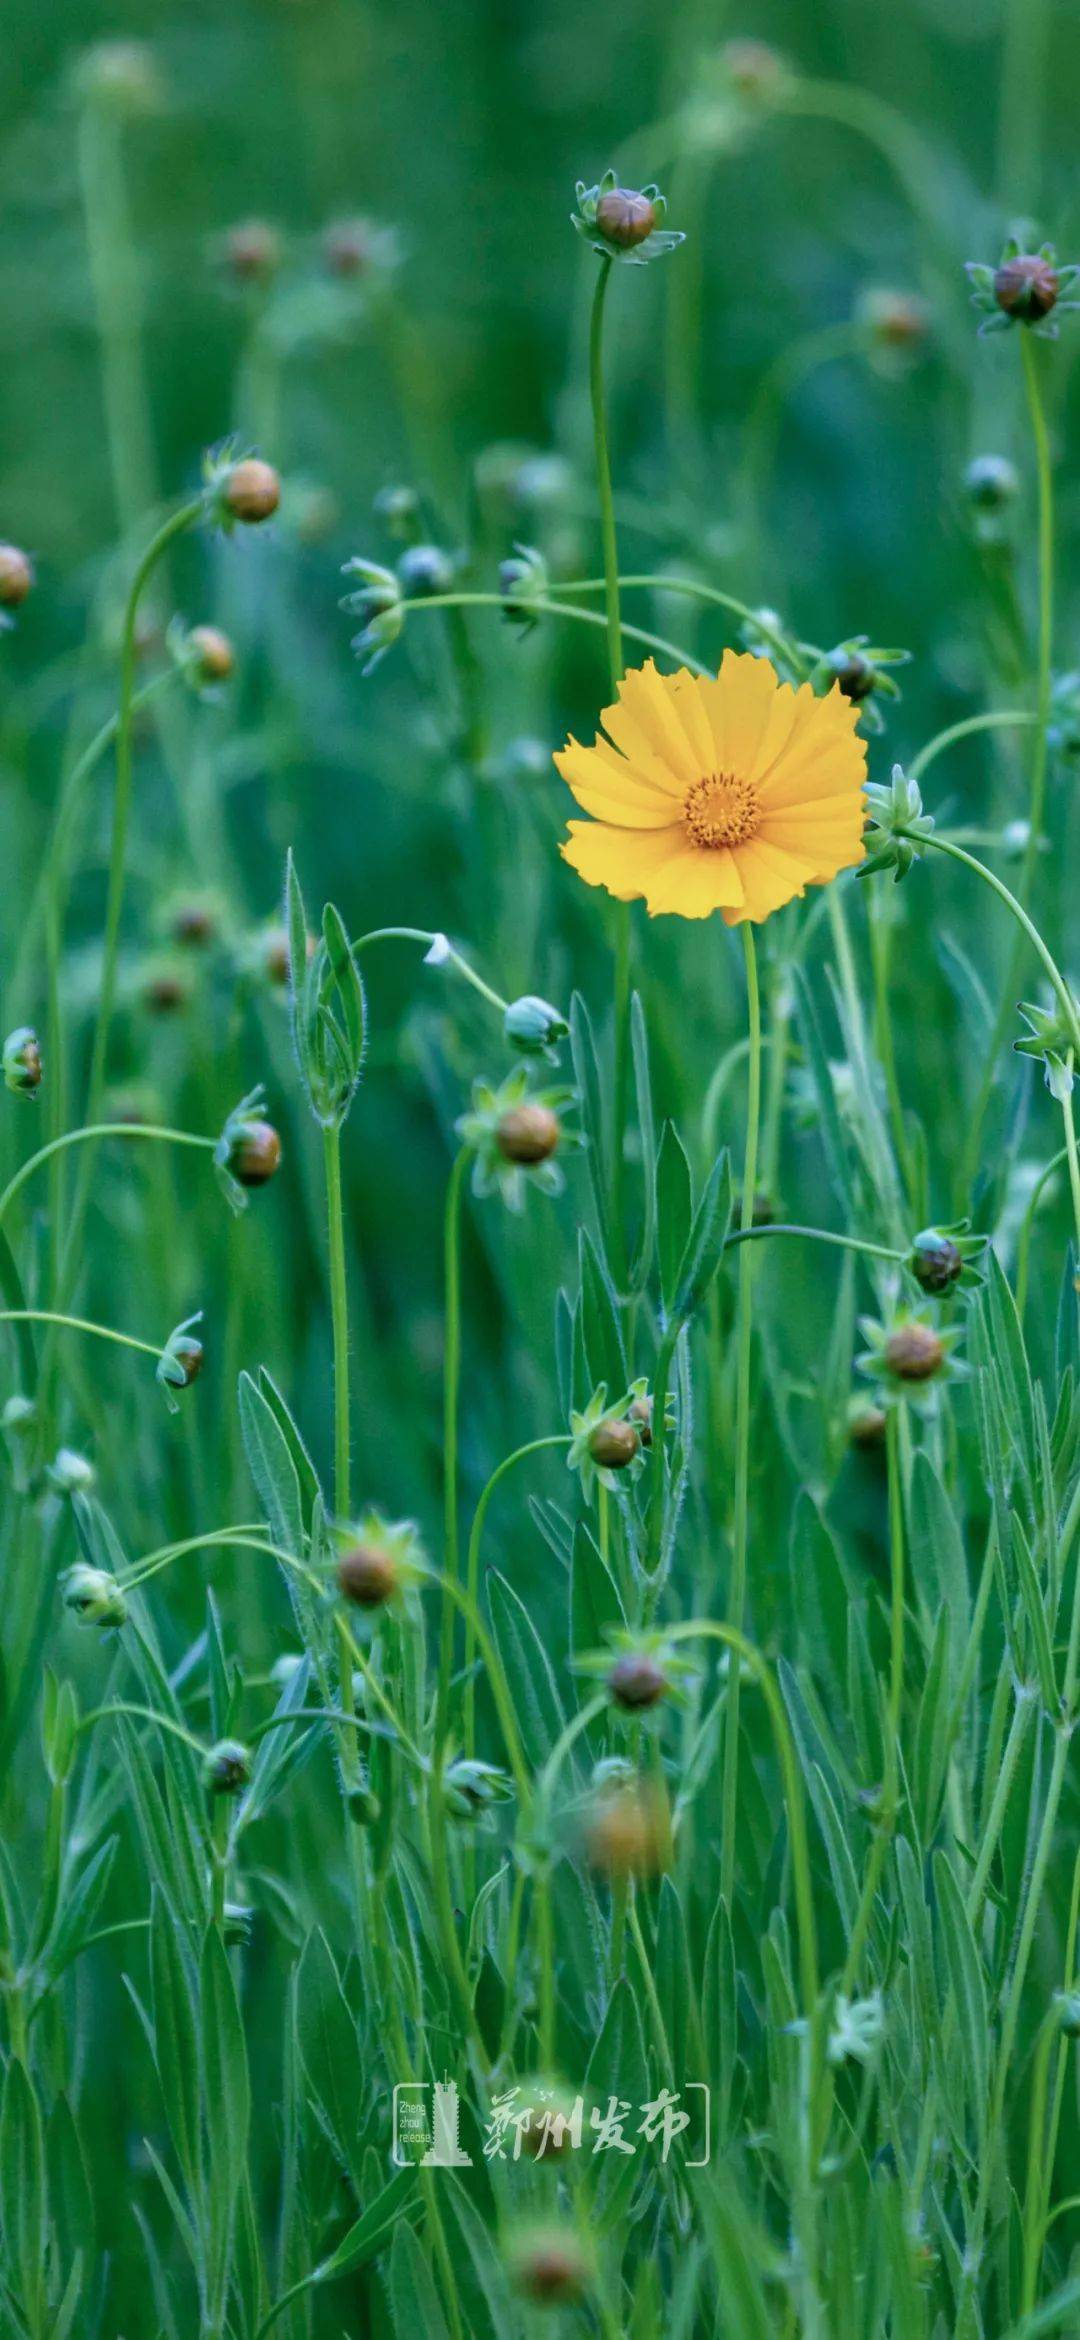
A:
(472, 1567)
(737, 1589)
(998, 719)
(451, 1381)
(1050, 968)
(452, 957)
(694, 590)
(816, 1235)
(97, 1130)
(1023, 1244)
(104, 1332)
(563, 609)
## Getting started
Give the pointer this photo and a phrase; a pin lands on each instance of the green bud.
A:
(93, 1596)
(226, 1768)
(22, 1061)
(533, 1026)
(70, 1473)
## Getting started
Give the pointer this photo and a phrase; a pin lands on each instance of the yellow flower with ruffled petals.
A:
(731, 793)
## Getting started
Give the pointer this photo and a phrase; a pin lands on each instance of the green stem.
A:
(472, 1567)
(339, 1314)
(737, 1590)
(1037, 414)
(563, 609)
(453, 958)
(104, 1332)
(97, 1130)
(115, 285)
(816, 1235)
(1049, 966)
(998, 719)
(887, 1823)
(608, 535)
(451, 1382)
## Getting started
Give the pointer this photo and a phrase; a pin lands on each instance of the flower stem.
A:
(737, 1590)
(621, 912)
(472, 1567)
(887, 1823)
(339, 1313)
(816, 1235)
(96, 1131)
(563, 609)
(1037, 413)
(451, 1386)
(997, 719)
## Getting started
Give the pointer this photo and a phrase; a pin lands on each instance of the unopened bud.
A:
(613, 1445)
(866, 1425)
(533, 1026)
(253, 251)
(551, 2265)
(348, 248)
(251, 490)
(193, 923)
(992, 482)
(1026, 287)
(914, 1352)
(22, 1061)
(640, 1413)
(166, 991)
(528, 1134)
(190, 1356)
(935, 1261)
(226, 1768)
(212, 652)
(367, 1575)
(636, 1680)
(625, 217)
(93, 1596)
(425, 570)
(16, 576)
(70, 1473)
(255, 1153)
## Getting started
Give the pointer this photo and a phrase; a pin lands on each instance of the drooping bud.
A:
(424, 571)
(16, 576)
(70, 1473)
(636, 1680)
(251, 491)
(226, 1768)
(533, 1026)
(93, 1596)
(528, 1133)
(367, 1575)
(914, 1352)
(249, 1149)
(22, 1061)
(181, 1361)
(212, 653)
(524, 582)
(613, 1445)
(935, 1260)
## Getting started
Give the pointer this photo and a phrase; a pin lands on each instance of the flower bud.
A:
(255, 1153)
(753, 68)
(399, 510)
(425, 570)
(348, 247)
(896, 322)
(1067, 2008)
(523, 582)
(1026, 286)
(636, 1680)
(251, 490)
(166, 990)
(70, 1473)
(628, 1833)
(190, 1357)
(16, 576)
(22, 1061)
(935, 1261)
(364, 1806)
(93, 1596)
(212, 653)
(866, 1424)
(19, 1416)
(121, 75)
(367, 1575)
(856, 677)
(470, 1787)
(613, 1445)
(528, 1134)
(534, 1027)
(640, 1413)
(625, 217)
(991, 483)
(252, 251)
(237, 1922)
(914, 1352)
(226, 1768)
(551, 2265)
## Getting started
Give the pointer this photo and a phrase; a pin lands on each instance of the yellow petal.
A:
(820, 758)
(610, 789)
(695, 883)
(623, 860)
(741, 705)
(646, 726)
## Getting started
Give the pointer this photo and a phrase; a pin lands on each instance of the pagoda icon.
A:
(445, 2150)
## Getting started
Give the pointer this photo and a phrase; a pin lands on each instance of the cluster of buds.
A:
(241, 490)
(606, 1440)
(22, 1061)
(862, 672)
(16, 581)
(181, 1361)
(377, 1560)
(514, 1135)
(909, 1357)
(93, 1596)
(1024, 289)
(624, 223)
(248, 1151)
(897, 827)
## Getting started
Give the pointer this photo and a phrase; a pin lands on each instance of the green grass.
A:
(267, 1853)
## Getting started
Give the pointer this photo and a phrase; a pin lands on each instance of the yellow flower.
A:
(731, 794)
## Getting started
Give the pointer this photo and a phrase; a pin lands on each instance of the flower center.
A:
(722, 810)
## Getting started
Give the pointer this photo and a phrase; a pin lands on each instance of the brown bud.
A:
(640, 1412)
(866, 1427)
(1026, 287)
(253, 251)
(753, 68)
(214, 654)
(190, 1356)
(625, 217)
(897, 321)
(347, 247)
(165, 992)
(937, 1267)
(636, 1680)
(276, 954)
(551, 2267)
(914, 1352)
(627, 1835)
(528, 1133)
(255, 1153)
(252, 490)
(367, 1575)
(193, 923)
(613, 1445)
(16, 576)
(856, 678)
